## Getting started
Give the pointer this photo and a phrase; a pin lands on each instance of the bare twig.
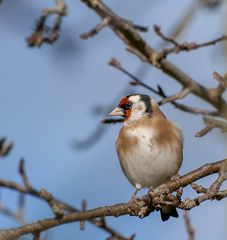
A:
(23, 175)
(211, 3)
(36, 235)
(136, 81)
(5, 148)
(200, 189)
(14, 215)
(222, 85)
(179, 47)
(41, 33)
(84, 207)
(211, 123)
(160, 92)
(184, 21)
(211, 193)
(96, 29)
(222, 80)
(183, 93)
(194, 110)
(188, 225)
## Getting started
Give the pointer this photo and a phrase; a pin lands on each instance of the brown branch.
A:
(36, 236)
(221, 87)
(136, 81)
(211, 123)
(96, 29)
(180, 47)
(160, 92)
(222, 80)
(84, 208)
(35, 193)
(54, 205)
(147, 203)
(188, 225)
(184, 21)
(23, 175)
(43, 34)
(14, 215)
(136, 44)
(183, 93)
(194, 110)
(211, 3)
(200, 189)
(210, 194)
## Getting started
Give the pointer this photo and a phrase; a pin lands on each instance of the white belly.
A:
(147, 164)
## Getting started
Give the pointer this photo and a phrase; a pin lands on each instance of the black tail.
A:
(167, 212)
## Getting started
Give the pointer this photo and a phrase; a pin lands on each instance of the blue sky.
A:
(47, 100)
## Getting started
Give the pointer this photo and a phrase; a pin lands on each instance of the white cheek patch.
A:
(138, 110)
(134, 98)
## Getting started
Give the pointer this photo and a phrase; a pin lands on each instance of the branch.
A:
(180, 47)
(54, 205)
(211, 123)
(25, 190)
(43, 34)
(137, 45)
(183, 93)
(160, 92)
(5, 148)
(96, 29)
(188, 225)
(147, 204)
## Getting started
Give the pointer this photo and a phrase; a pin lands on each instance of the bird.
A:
(149, 145)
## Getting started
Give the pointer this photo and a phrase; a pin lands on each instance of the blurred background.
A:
(53, 98)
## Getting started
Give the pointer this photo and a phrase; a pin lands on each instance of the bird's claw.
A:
(139, 207)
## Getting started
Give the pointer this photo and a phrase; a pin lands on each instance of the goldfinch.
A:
(149, 146)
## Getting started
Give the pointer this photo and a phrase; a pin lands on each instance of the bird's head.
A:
(133, 107)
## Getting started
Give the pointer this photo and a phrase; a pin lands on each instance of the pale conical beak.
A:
(116, 112)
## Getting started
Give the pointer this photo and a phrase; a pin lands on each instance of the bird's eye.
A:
(128, 105)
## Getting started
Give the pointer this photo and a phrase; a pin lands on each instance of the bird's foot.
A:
(139, 207)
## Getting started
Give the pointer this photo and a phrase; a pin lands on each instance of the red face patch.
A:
(123, 101)
(125, 104)
(127, 113)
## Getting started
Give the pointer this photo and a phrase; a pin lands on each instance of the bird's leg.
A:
(138, 188)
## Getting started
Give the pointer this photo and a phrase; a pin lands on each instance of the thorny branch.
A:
(141, 207)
